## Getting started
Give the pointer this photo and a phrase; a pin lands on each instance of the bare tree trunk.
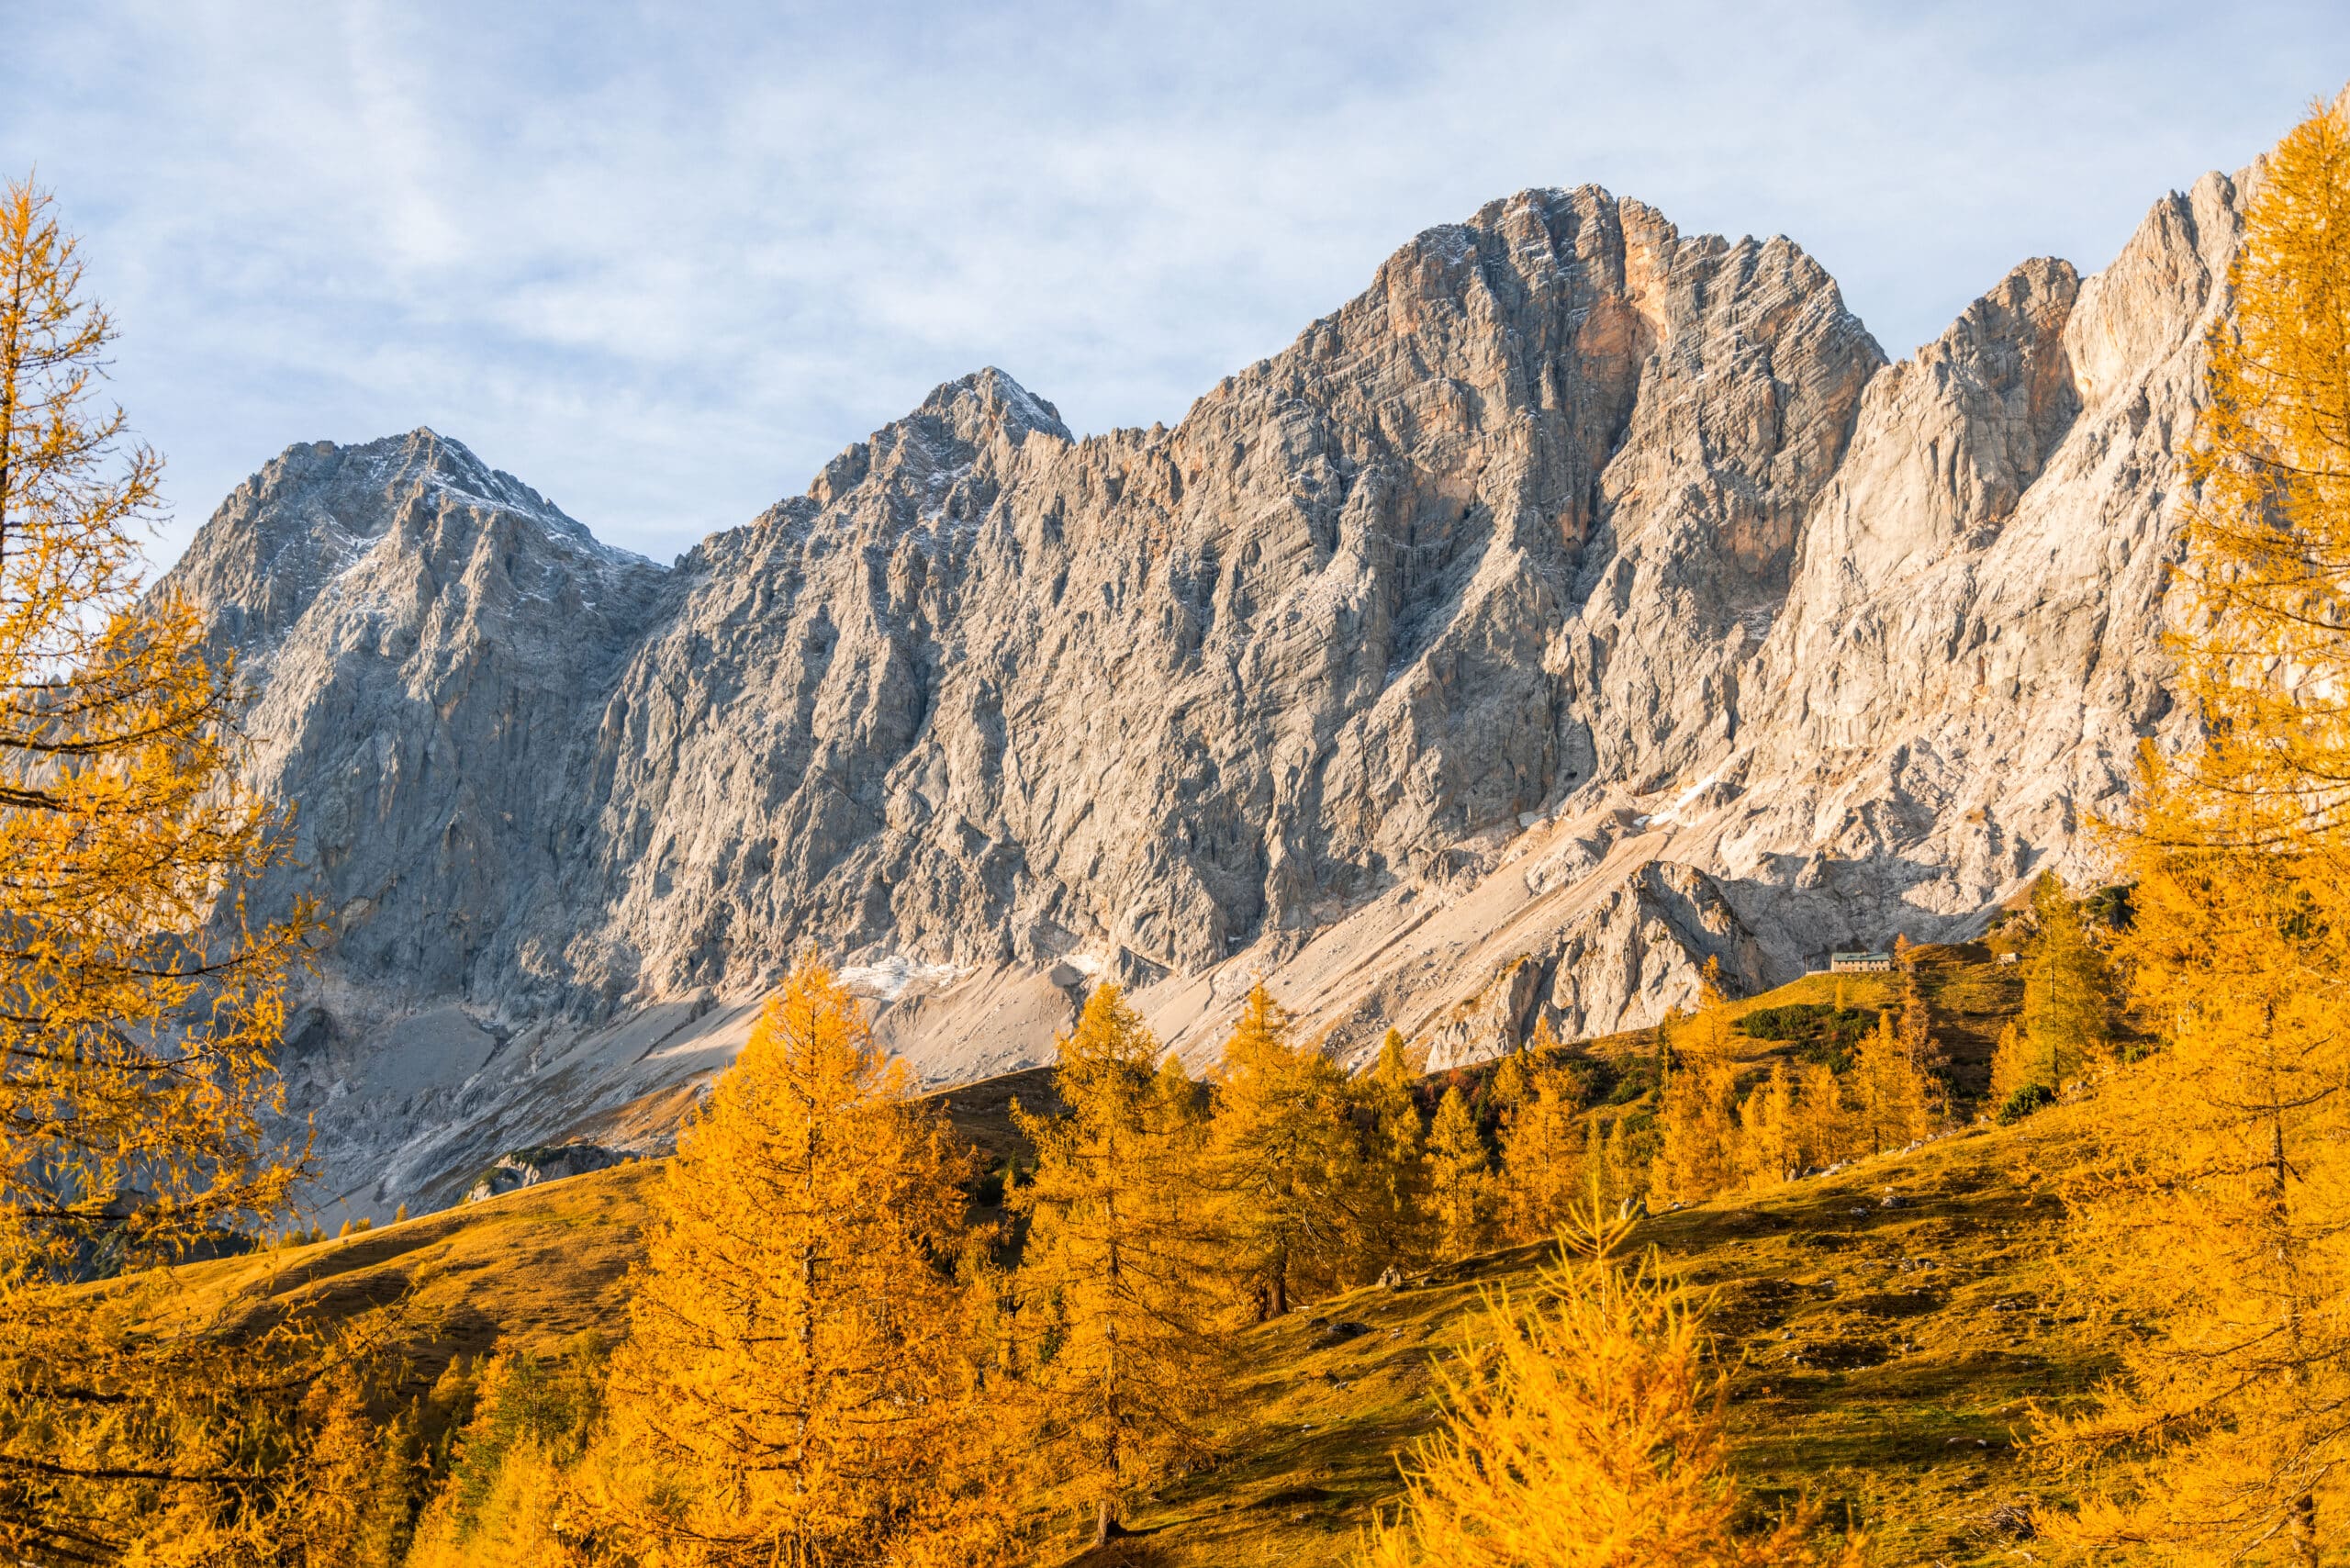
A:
(11, 372)
(2302, 1509)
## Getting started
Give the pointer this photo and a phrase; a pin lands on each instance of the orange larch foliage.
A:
(795, 1387)
(1286, 1160)
(141, 1001)
(1463, 1196)
(1118, 1285)
(1585, 1430)
(2218, 1211)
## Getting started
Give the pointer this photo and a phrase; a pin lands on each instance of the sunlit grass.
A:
(1885, 1352)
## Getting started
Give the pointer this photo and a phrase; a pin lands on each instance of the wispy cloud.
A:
(661, 261)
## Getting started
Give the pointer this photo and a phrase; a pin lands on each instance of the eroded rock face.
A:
(1630, 954)
(529, 1167)
(1004, 696)
(1581, 601)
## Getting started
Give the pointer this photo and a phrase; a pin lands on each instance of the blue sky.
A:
(662, 260)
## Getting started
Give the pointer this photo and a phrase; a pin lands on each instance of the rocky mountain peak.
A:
(942, 437)
(986, 404)
(319, 515)
(1581, 601)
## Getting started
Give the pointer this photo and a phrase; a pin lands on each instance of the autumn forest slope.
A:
(1885, 1325)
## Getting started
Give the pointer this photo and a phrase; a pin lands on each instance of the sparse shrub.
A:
(1796, 1021)
(2024, 1102)
(1821, 1032)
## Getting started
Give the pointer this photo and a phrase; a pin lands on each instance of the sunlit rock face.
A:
(1581, 601)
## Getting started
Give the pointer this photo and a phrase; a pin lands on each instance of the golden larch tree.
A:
(1395, 1222)
(2064, 1030)
(1584, 1430)
(1823, 1122)
(1917, 1017)
(792, 1388)
(1770, 1131)
(2264, 651)
(1698, 1111)
(1117, 1279)
(1611, 1174)
(512, 1496)
(1286, 1160)
(1893, 1102)
(141, 1002)
(1463, 1197)
(1508, 1086)
(2219, 1207)
(1544, 1172)
(2220, 1211)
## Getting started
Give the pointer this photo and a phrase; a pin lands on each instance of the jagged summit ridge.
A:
(314, 513)
(1580, 600)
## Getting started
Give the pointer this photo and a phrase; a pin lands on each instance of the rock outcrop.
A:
(1582, 601)
(523, 1167)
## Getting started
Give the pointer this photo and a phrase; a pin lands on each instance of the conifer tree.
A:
(2019, 1078)
(2220, 1209)
(1510, 1085)
(144, 1007)
(786, 1393)
(1542, 1046)
(2220, 1206)
(1769, 1128)
(1543, 1165)
(512, 1496)
(1592, 1169)
(1611, 1173)
(1624, 1167)
(1825, 1125)
(1698, 1115)
(1585, 1427)
(2062, 1030)
(1460, 1180)
(141, 1000)
(1286, 1159)
(2065, 986)
(2266, 655)
(1120, 1259)
(1181, 1099)
(1894, 1103)
(1916, 1028)
(1397, 1228)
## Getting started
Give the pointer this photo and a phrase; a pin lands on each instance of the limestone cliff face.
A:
(1971, 650)
(1002, 696)
(1581, 600)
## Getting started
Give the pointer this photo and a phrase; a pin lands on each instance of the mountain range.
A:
(1582, 602)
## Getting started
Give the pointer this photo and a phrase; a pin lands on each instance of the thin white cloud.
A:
(663, 261)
